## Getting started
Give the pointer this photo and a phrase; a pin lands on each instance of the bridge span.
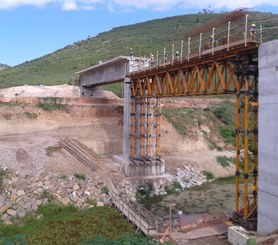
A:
(225, 62)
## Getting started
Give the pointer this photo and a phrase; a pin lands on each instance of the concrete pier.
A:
(144, 167)
(268, 137)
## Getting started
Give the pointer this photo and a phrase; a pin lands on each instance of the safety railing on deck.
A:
(221, 38)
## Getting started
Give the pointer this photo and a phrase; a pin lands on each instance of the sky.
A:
(30, 29)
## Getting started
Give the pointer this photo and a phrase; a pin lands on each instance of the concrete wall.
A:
(268, 138)
(108, 73)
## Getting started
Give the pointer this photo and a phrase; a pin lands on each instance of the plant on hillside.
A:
(30, 115)
(80, 176)
(2, 175)
(223, 161)
(51, 107)
(209, 175)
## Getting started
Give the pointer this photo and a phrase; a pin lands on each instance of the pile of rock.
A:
(127, 189)
(187, 177)
(190, 176)
(20, 195)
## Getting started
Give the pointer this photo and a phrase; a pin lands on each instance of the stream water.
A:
(209, 198)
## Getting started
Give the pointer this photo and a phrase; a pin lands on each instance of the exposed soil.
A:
(29, 140)
(28, 131)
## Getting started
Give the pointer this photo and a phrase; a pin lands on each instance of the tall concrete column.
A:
(268, 138)
(127, 97)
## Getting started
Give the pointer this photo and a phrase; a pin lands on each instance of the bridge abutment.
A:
(268, 148)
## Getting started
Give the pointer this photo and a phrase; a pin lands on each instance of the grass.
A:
(71, 226)
(80, 176)
(105, 190)
(223, 161)
(220, 119)
(47, 195)
(63, 177)
(2, 175)
(209, 175)
(51, 107)
(30, 115)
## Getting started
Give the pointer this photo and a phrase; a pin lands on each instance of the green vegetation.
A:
(105, 190)
(63, 177)
(174, 188)
(3, 67)
(2, 174)
(30, 115)
(226, 113)
(71, 226)
(220, 119)
(46, 195)
(80, 176)
(223, 161)
(209, 175)
(51, 107)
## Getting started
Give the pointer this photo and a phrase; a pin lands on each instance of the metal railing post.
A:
(173, 53)
(164, 56)
(212, 41)
(181, 49)
(200, 45)
(261, 34)
(246, 29)
(188, 49)
(157, 59)
(228, 38)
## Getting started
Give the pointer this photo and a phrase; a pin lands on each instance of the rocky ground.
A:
(21, 195)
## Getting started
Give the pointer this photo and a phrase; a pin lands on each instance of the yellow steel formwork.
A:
(227, 71)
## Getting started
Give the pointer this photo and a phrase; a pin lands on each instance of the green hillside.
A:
(3, 67)
(60, 67)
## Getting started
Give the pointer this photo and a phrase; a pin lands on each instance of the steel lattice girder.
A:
(222, 73)
(206, 76)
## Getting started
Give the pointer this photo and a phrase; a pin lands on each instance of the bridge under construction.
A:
(220, 58)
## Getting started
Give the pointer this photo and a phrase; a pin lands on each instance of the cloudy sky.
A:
(33, 28)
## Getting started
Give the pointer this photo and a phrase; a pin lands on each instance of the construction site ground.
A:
(30, 135)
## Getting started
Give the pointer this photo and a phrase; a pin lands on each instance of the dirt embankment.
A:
(28, 133)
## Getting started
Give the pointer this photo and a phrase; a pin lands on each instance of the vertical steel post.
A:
(157, 59)
(164, 56)
(212, 40)
(173, 53)
(188, 49)
(200, 45)
(158, 130)
(237, 148)
(228, 38)
(246, 148)
(246, 30)
(255, 144)
(182, 50)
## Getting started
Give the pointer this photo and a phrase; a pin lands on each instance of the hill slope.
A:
(3, 67)
(60, 67)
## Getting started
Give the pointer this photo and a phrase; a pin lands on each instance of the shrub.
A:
(223, 161)
(51, 107)
(30, 115)
(209, 175)
(105, 190)
(80, 176)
